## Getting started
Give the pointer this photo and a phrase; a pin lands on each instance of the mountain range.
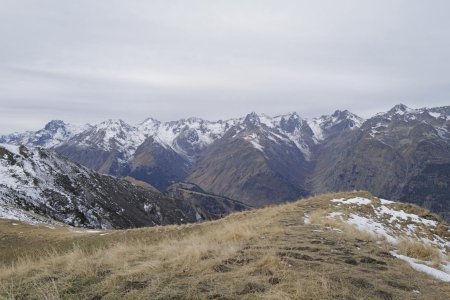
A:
(402, 154)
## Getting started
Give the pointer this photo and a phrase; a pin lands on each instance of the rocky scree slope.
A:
(36, 183)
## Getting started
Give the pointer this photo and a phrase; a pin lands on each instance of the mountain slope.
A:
(208, 206)
(303, 250)
(402, 154)
(157, 164)
(250, 163)
(36, 183)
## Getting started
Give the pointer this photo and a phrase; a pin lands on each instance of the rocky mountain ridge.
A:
(40, 186)
(400, 154)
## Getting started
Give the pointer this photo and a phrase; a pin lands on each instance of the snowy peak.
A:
(281, 132)
(53, 134)
(402, 112)
(336, 123)
(290, 122)
(436, 120)
(112, 124)
(113, 129)
(346, 116)
(400, 109)
(54, 125)
(149, 126)
(252, 119)
(187, 137)
(112, 135)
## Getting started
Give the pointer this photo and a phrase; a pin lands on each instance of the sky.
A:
(86, 61)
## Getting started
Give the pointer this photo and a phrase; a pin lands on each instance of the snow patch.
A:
(306, 219)
(14, 149)
(334, 214)
(418, 266)
(355, 200)
(401, 215)
(254, 140)
(434, 114)
(372, 226)
(386, 202)
(315, 125)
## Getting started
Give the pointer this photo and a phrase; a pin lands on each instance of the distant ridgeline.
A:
(401, 154)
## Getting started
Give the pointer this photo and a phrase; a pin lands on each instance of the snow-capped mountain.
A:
(393, 154)
(255, 162)
(400, 154)
(162, 153)
(53, 134)
(326, 126)
(436, 119)
(187, 137)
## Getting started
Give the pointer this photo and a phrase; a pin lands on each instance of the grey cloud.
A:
(85, 61)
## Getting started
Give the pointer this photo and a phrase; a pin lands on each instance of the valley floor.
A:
(269, 253)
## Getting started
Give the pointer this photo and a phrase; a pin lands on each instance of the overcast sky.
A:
(86, 61)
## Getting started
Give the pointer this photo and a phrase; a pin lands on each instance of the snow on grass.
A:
(395, 225)
(372, 226)
(335, 214)
(401, 215)
(356, 200)
(85, 231)
(385, 221)
(419, 266)
(306, 219)
(386, 202)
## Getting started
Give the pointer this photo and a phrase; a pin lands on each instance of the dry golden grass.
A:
(418, 250)
(267, 253)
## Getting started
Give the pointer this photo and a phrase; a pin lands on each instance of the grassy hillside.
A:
(291, 251)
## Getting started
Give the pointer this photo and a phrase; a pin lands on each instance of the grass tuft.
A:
(418, 250)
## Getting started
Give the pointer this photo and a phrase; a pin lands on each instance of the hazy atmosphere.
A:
(114, 185)
(86, 61)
